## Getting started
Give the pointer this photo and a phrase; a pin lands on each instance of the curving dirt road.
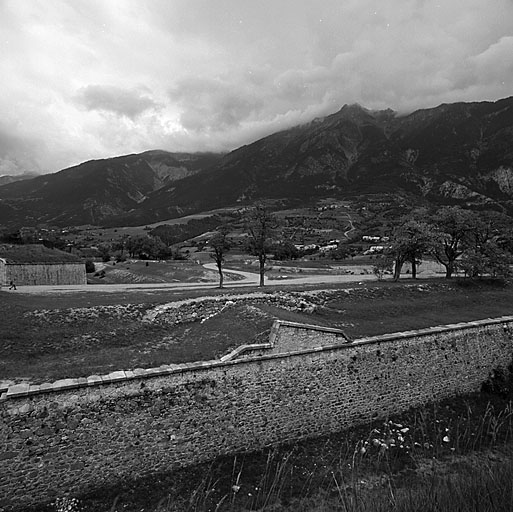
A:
(248, 279)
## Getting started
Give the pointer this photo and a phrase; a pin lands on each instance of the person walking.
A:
(12, 285)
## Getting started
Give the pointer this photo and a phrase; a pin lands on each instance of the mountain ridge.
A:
(460, 153)
(93, 191)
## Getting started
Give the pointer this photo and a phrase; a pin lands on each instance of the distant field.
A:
(107, 234)
(45, 338)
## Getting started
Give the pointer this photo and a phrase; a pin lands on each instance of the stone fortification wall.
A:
(44, 273)
(77, 434)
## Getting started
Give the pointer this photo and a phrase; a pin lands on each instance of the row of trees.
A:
(141, 246)
(460, 240)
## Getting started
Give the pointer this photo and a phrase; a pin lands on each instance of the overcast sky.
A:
(83, 79)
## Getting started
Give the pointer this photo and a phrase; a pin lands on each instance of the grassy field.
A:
(48, 337)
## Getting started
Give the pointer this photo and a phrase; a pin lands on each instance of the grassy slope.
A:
(48, 344)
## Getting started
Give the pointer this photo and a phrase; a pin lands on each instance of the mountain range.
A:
(6, 178)
(459, 153)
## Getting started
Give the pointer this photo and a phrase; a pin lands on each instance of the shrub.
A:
(119, 256)
(90, 268)
(381, 266)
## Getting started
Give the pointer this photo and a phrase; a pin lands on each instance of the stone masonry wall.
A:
(74, 435)
(45, 274)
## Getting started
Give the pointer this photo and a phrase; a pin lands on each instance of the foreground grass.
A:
(452, 456)
(45, 338)
(484, 488)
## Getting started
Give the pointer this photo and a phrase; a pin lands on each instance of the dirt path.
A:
(352, 228)
(248, 279)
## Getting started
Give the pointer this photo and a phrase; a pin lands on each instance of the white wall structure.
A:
(42, 273)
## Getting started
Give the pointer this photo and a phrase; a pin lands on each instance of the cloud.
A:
(108, 98)
(208, 104)
(92, 79)
(495, 64)
(18, 155)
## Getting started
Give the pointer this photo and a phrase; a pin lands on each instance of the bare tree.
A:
(260, 224)
(220, 246)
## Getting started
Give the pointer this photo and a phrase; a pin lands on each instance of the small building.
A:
(33, 264)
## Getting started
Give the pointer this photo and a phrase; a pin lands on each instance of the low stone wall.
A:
(44, 274)
(78, 434)
(191, 310)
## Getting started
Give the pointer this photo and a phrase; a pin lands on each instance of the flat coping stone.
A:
(93, 380)
(65, 384)
(116, 376)
(18, 390)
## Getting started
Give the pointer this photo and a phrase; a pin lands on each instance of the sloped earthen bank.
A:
(74, 435)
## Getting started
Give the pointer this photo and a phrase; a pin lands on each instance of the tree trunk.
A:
(397, 270)
(262, 270)
(449, 268)
(413, 269)
(221, 277)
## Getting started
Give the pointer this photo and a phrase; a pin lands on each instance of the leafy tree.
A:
(483, 253)
(409, 242)
(342, 252)
(285, 250)
(260, 224)
(11, 237)
(159, 250)
(453, 226)
(147, 247)
(136, 245)
(220, 246)
(104, 251)
(119, 247)
(119, 256)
